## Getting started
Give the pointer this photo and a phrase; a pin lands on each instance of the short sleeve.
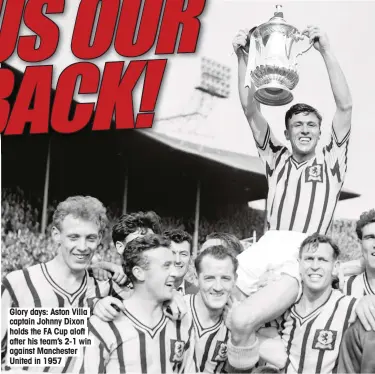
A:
(271, 151)
(336, 155)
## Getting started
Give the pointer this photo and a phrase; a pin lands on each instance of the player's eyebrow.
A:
(369, 236)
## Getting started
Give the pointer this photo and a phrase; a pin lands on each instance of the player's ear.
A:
(286, 133)
(336, 268)
(138, 273)
(120, 247)
(56, 234)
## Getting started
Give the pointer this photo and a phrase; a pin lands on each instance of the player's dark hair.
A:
(85, 207)
(219, 252)
(312, 242)
(364, 220)
(129, 223)
(301, 108)
(230, 241)
(178, 236)
(133, 254)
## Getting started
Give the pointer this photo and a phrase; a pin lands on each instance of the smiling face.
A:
(160, 275)
(181, 253)
(317, 267)
(216, 280)
(368, 245)
(78, 240)
(303, 132)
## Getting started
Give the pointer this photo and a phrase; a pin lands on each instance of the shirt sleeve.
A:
(336, 155)
(351, 350)
(271, 151)
(7, 302)
(98, 290)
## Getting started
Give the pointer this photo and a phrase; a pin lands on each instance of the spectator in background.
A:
(227, 240)
(357, 352)
(130, 226)
(126, 228)
(181, 245)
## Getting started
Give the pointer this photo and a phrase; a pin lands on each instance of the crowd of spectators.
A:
(23, 245)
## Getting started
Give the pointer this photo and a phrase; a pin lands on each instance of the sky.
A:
(351, 29)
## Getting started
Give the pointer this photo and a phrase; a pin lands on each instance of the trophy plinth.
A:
(272, 67)
(274, 84)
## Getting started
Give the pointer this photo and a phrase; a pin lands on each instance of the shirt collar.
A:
(181, 288)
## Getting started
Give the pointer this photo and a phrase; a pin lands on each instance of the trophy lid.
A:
(276, 24)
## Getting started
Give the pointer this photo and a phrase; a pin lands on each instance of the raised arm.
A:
(250, 106)
(339, 85)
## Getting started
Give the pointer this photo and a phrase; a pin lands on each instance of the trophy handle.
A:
(301, 36)
(250, 34)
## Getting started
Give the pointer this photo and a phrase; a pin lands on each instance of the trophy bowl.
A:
(273, 67)
(274, 84)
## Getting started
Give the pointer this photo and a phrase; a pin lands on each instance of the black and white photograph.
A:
(192, 190)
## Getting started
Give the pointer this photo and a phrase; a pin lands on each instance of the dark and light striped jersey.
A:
(303, 196)
(35, 287)
(126, 345)
(313, 342)
(358, 286)
(210, 352)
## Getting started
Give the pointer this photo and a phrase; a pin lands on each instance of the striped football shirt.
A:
(34, 287)
(210, 352)
(126, 345)
(303, 196)
(358, 286)
(313, 342)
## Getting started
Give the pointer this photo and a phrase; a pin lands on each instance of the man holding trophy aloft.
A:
(303, 185)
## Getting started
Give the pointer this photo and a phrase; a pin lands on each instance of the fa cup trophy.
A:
(274, 49)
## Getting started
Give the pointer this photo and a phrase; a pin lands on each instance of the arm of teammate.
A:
(353, 267)
(98, 291)
(340, 89)
(104, 270)
(365, 311)
(351, 350)
(108, 308)
(349, 268)
(250, 105)
(242, 359)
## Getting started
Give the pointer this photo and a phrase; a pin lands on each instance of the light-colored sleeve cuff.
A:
(243, 357)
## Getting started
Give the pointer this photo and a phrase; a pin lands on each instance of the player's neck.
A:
(146, 310)
(207, 317)
(64, 276)
(303, 157)
(311, 300)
